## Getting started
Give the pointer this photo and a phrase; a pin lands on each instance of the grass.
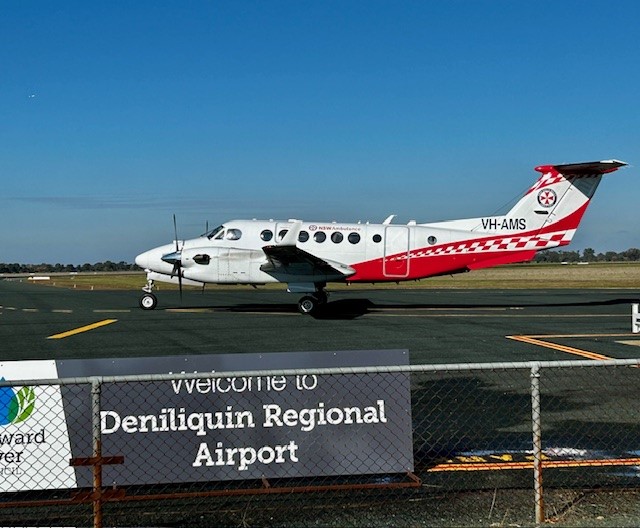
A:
(521, 276)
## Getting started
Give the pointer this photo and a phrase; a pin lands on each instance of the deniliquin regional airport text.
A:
(306, 419)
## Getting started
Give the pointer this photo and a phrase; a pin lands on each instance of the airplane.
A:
(308, 255)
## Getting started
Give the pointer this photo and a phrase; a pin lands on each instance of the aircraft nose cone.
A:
(153, 259)
(142, 260)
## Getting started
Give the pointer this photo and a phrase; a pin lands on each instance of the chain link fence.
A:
(416, 445)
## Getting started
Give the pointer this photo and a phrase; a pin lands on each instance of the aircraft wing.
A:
(291, 260)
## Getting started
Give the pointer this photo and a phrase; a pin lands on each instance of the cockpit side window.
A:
(214, 232)
(233, 234)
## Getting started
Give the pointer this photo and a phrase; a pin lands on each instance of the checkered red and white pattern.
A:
(546, 180)
(486, 245)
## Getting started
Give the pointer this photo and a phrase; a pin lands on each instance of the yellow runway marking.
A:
(561, 348)
(632, 343)
(489, 466)
(82, 329)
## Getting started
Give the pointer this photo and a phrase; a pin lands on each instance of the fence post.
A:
(635, 318)
(537, 443)
(96, 386)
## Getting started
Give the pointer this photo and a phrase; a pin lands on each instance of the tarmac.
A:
(436, 326)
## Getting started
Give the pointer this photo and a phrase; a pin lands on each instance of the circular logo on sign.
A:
(313, 227)
(547, 197)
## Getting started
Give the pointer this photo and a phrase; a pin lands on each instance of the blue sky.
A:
(116, 115)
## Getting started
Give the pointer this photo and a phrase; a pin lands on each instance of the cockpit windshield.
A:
(213, 232)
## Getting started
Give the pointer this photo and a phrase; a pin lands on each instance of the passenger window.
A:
(303, 236)
(282, 233)
(354, 238)
(377, 238)
(266, 235)
(319, 236)
(233, 234)
(203, 259)
(432, 240)
(336, 237)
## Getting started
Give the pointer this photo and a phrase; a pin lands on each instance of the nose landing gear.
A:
(148, 301)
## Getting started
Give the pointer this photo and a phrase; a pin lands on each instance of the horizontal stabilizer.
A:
(584, 169)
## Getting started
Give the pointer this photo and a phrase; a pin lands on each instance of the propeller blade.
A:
(177, 270)
(175, 230)
(177, 262)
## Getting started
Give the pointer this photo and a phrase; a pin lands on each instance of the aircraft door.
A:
(396, 252)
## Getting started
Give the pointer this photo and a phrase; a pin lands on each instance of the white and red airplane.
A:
(308, 255)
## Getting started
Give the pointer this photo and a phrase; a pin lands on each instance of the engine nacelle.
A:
(221, 265)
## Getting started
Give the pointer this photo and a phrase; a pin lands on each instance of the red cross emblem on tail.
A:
(547, 197)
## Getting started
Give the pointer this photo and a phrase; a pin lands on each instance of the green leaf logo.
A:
(16, 407)
(26, 403)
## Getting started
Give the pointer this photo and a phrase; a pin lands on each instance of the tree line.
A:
(551, 256)
(588, 255)
(67, 268)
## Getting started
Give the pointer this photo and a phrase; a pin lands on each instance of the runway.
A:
(436, 326)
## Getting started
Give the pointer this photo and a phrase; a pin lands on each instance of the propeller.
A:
(177, 266)
(175, 258)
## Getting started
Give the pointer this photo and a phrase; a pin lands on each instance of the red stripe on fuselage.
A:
(472, 253)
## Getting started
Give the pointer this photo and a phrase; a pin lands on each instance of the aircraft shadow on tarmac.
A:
(346, 309)
(341, 309)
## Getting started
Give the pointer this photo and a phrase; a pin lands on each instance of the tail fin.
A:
(553, 207)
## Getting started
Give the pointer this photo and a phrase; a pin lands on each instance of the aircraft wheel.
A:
(307, 304)
(148, 301)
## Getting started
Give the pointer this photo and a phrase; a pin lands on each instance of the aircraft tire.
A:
(307, 304)
(148, 301)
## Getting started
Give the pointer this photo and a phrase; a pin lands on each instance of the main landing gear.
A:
(310, 303)
(148, 301)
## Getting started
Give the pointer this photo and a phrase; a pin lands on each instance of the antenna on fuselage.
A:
(389, 219)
